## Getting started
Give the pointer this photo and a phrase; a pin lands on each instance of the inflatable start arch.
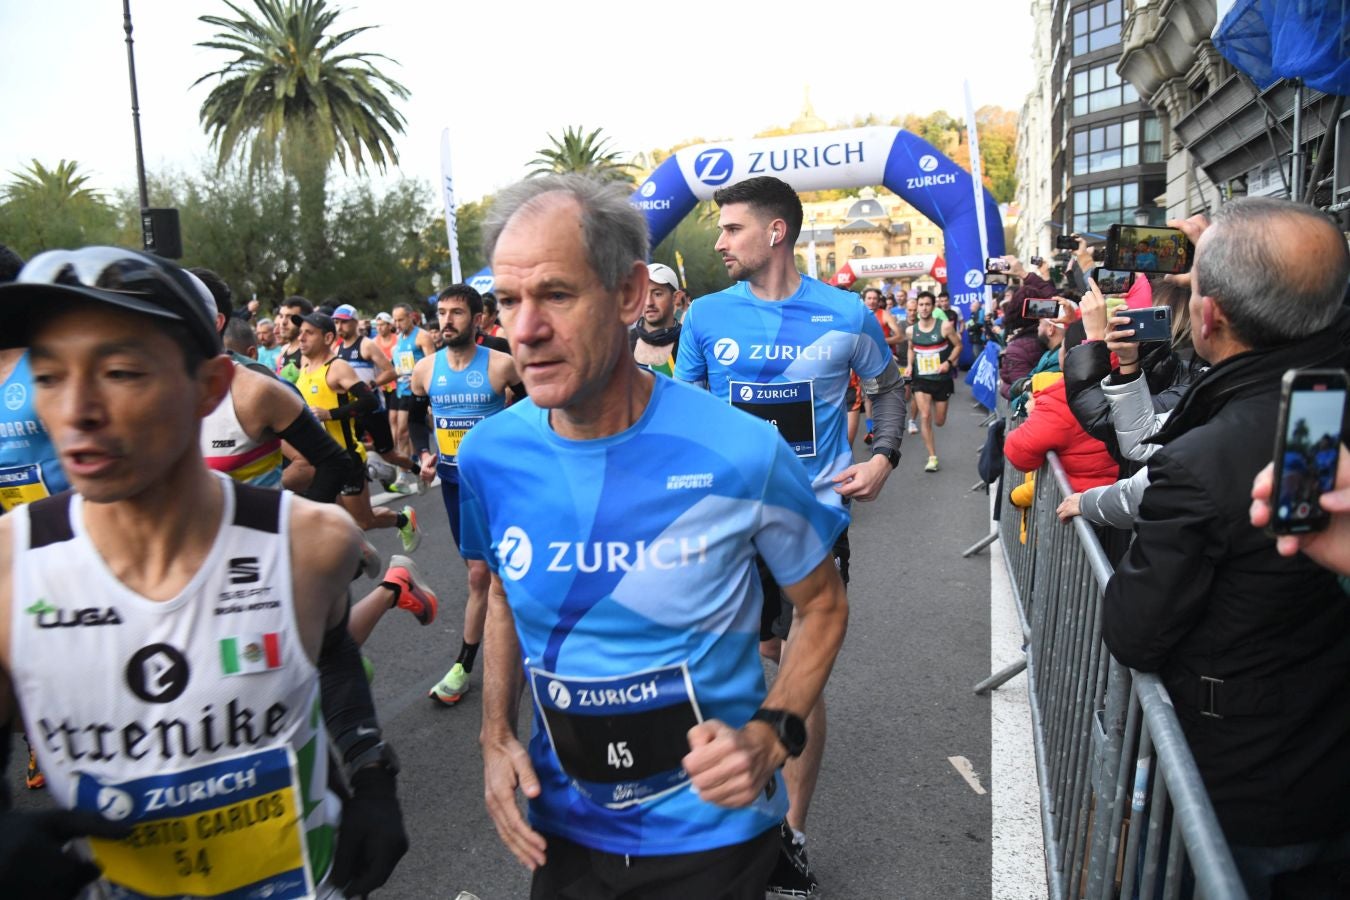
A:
(903, 162)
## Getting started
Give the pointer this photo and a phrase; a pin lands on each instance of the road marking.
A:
(967, 771)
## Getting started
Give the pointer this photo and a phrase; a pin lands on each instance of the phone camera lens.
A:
(1159, 315)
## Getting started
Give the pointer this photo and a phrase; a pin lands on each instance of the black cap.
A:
(319, 320)
(127, 279)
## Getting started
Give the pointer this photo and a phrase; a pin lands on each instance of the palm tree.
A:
(292, 90)
(43, 208)
(578, 152)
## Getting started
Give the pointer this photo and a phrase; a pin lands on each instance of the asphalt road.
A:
(892, 817)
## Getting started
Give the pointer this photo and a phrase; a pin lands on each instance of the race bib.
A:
(450, 431)
(404, 360)
(928, 362)
(622, 740)
(789, 406)
(21, 485)
(232, 828)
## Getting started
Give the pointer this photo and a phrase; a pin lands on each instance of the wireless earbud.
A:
(773, 238)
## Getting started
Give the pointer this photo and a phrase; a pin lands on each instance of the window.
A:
(1100, 88)
(1115, 145)
(1096, 26)
(1096, 208)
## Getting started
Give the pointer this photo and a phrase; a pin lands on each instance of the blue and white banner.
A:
(907, 164)
(451, 220)
(983, 377)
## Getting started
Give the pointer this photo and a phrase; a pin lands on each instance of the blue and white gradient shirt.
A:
(787, 361)
(629, 565)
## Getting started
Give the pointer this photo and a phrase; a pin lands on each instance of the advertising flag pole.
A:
(977, 181)
(451, 221)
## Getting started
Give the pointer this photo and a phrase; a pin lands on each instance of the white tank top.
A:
(196, 720)
(227, 448)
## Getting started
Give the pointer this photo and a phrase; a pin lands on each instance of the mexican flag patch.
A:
(249, 653)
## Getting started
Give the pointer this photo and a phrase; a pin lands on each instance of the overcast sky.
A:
(503, 75)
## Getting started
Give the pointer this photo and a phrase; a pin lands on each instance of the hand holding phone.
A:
(1152, 323)
(1330, 548)
(1035, 308)
(1148, 248)
(1307, 448)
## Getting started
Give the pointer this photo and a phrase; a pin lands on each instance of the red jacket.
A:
(1051, 426)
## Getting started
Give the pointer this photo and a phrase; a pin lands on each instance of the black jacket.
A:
(1203, 594)
(1169, 374)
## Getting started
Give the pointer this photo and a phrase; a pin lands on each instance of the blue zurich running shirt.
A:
(29, 468)
(787, 361)
(629, 565)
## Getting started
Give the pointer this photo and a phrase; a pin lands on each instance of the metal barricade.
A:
(1123, 809)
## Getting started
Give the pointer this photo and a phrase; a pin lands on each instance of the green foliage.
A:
(694, 238)
(43, 209)
(291, 87)
(580, 152)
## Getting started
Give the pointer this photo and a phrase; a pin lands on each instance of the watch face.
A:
(794, 729)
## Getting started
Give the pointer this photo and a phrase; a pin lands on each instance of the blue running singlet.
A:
(406, 354)
(459, 401)
(629, 566)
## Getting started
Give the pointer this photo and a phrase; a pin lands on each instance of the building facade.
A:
(873, 224)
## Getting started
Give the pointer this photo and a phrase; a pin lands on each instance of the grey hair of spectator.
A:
(613, 231)
(239, 336)
(264, 321)
(1276, 268)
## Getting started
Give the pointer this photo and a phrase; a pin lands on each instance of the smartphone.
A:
(1147, 248)
(1034, 308)
(1112, 281)
(997, 265)
(1307, 447)
(1152, 323)
(1066, 242)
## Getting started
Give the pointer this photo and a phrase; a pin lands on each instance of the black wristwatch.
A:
(790, 729)
(381, 754)
(892, 456)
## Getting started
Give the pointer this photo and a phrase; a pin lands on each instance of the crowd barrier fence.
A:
(1123, 808)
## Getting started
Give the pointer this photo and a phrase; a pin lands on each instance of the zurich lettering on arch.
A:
(858, 157)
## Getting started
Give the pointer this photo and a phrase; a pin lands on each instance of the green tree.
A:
(42, 209)
(293, 93)
(694, 238)
(580, 152)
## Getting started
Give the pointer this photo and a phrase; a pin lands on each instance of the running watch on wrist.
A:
(892, 456)
(380, 754)
(791, 730)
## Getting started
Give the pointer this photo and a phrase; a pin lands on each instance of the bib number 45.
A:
(620, 757)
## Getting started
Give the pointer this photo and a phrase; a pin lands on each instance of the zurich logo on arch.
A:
(928, 162)
(713, 167)
(648, 189)
(974, 278)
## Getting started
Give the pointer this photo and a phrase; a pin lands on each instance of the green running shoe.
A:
(452, 687)
(410, 533)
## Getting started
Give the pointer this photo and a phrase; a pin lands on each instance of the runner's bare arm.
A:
(954, 337)
(325, 552)
(425, 341)
(506, 764)
(7, 704)
(503, 375)
(730, 766)
(384, 369)
(343, 378)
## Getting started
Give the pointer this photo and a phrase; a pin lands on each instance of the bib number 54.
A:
(619, 756)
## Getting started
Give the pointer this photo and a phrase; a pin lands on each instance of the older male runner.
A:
(624, 590)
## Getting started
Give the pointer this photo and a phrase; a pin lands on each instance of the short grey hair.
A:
(263, 321)
(1267, 300)
(612, 229)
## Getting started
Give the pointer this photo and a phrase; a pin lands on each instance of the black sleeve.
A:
(364, 402)
(344, 694)
(1084, 368)
(418, 432)
(331, 463)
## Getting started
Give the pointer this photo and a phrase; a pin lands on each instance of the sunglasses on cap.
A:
(119, 277)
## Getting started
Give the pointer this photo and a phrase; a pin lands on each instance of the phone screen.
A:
(1148, 248)
(1309, 451)
(1113, 281)
(1040, 309)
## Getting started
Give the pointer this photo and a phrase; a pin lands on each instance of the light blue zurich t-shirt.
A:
(629, 566)
(787, 361)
